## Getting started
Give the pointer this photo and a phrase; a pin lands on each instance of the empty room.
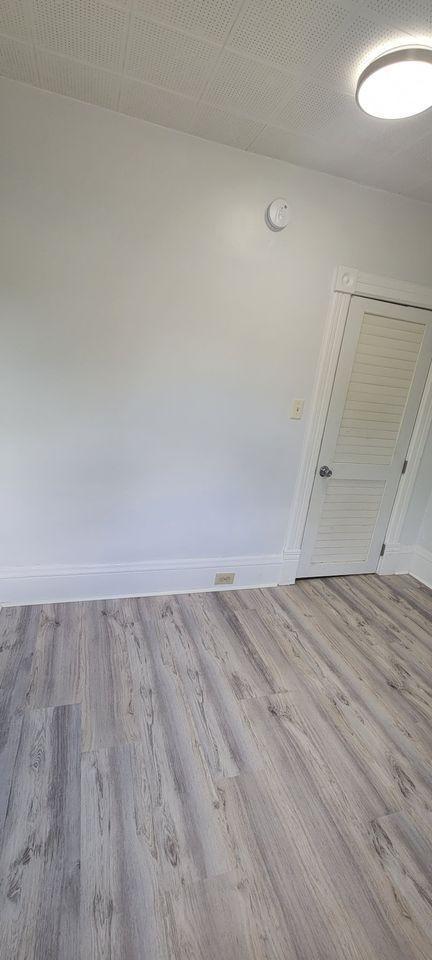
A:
(215, 480)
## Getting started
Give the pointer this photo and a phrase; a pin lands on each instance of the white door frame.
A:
(347, 282)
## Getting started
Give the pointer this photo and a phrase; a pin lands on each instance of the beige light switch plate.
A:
(297, 409)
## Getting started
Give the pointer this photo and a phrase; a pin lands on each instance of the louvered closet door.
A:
(381, 373)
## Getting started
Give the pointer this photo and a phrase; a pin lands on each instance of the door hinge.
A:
(405, 464)
(382, 550)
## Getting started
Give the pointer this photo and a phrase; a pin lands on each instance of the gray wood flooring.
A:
(227, 775)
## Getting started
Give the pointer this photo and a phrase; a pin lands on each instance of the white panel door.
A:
(383, 364)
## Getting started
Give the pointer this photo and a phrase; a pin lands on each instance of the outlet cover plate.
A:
(222, 579)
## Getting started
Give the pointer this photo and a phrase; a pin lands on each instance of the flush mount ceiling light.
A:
(397, 84)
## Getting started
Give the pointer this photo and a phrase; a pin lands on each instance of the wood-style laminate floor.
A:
(235, 775)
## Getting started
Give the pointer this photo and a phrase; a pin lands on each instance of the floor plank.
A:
(8, 751)
(57, 669)
(107, 718)
(122, 907)
(404, 849)
(231, 916)
(239, 645)
(224, 734)
(39, 862)
(189, 822)
(18, 629)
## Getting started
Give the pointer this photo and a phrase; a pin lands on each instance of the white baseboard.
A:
(290, 563)
(26, 585)
(421, 565)
(397, 559)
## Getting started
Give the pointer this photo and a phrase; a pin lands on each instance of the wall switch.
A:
(297, 409)
(223, 578)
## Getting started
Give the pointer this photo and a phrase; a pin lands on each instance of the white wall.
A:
(420, 562)
(413, 553)
(154, 332)
(421, 495)
(425, 533)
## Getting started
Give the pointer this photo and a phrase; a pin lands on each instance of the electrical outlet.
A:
(223, 578)
(297, 409)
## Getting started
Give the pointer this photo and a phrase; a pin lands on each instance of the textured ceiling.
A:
(276, 77)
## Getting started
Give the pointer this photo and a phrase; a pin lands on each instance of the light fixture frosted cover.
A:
(398, 84)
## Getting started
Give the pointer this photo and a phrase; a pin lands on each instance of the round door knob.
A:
(325, 472)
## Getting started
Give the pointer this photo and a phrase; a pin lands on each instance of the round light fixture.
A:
(398, 84)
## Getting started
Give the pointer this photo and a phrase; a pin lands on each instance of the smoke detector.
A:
(278, 214)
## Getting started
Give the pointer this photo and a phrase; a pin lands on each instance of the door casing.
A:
(348, 281)
(347, 469)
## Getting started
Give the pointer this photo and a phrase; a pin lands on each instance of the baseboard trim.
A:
(421, 565)
(20, 586)
(397, 559)
(289, 567)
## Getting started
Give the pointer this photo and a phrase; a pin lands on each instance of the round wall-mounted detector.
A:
(278, 214)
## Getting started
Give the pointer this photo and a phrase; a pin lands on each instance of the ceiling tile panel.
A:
(168, 58)
(14, 18)
(355, 46)
(345, 123)
(211, 19)
(83, 29)
(215, 124)
(243, 85)
(312, 107)
(156, 105)
(412, 15)
(73, 79)
(17, 60)
(286, 32)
